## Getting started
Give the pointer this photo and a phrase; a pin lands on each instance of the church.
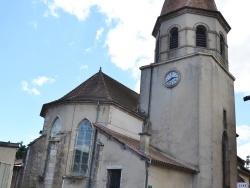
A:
(179, 132)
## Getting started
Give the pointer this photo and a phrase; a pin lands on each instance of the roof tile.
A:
(172, 5)
(100, 87)
(154, 154)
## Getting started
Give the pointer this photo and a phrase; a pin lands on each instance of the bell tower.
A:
(188, 92)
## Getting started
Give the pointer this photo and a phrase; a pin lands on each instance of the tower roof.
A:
(172, 5)
(99, 87)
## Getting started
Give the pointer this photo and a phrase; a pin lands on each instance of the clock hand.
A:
(171, 79)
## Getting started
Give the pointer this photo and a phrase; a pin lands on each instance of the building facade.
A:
(7, 158)
(179, 132)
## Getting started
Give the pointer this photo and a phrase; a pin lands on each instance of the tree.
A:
(21, 151)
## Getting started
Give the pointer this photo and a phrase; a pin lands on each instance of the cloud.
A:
(79, 8)
(71, 43)
(30, 90)
(41, 80)
(36, 82)
(87, 50)
(238, 42)
(130, 44)
(33, 24)
(99, 33)
(84, 67)
(243, 141)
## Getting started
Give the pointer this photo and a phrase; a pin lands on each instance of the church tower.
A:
(188, 92)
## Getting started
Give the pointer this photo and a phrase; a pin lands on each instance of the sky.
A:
(48, 47)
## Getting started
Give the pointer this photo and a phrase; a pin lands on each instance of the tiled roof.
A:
(9, 145)
(100, 87)
(154, 155)
(172, 5)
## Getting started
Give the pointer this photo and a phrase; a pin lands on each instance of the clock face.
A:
(172, 78)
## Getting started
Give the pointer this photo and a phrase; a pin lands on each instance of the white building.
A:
(179, 132)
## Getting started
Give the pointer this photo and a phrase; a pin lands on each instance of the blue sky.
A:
(48, 47)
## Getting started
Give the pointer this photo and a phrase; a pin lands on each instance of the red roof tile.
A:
(154, 154)
(172, 5)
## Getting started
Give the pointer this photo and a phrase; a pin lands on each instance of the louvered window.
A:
(222, 45)
(201, 36)
(174, 38)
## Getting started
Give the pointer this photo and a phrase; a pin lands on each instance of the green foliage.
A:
(21, 151)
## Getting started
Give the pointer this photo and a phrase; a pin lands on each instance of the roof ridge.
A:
(106, 89)
(85, 84)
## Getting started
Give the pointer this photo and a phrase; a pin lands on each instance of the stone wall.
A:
(33, 166)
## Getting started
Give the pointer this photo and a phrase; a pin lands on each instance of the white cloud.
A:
(71, 43)
(33, 24)
(87, 50)
(238, 41)
(36, 82)
(84, 67)
(79, 8)
(28, 89)
(99, 33)
(130, 44)
(243, 141)
(41, 80)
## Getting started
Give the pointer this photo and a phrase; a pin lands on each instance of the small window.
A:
(114, 178)
(222, 45)
(201, 39)
(56, 128)
(82, 147)
(174, 38)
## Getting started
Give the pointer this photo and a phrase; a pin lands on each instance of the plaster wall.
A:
(71, 116)
(7, 156)
(124, 123)
(114, 156)
(187, 120)
(160, 177)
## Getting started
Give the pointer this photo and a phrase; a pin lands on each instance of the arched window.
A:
(225, 161)
(222, 45)
(56, 128)
(201, 36)
(82, 147)
(174, 38)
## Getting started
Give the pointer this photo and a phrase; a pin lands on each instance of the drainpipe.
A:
(146, 181)
(94, 146)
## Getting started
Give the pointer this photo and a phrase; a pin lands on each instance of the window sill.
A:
(75, 177)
